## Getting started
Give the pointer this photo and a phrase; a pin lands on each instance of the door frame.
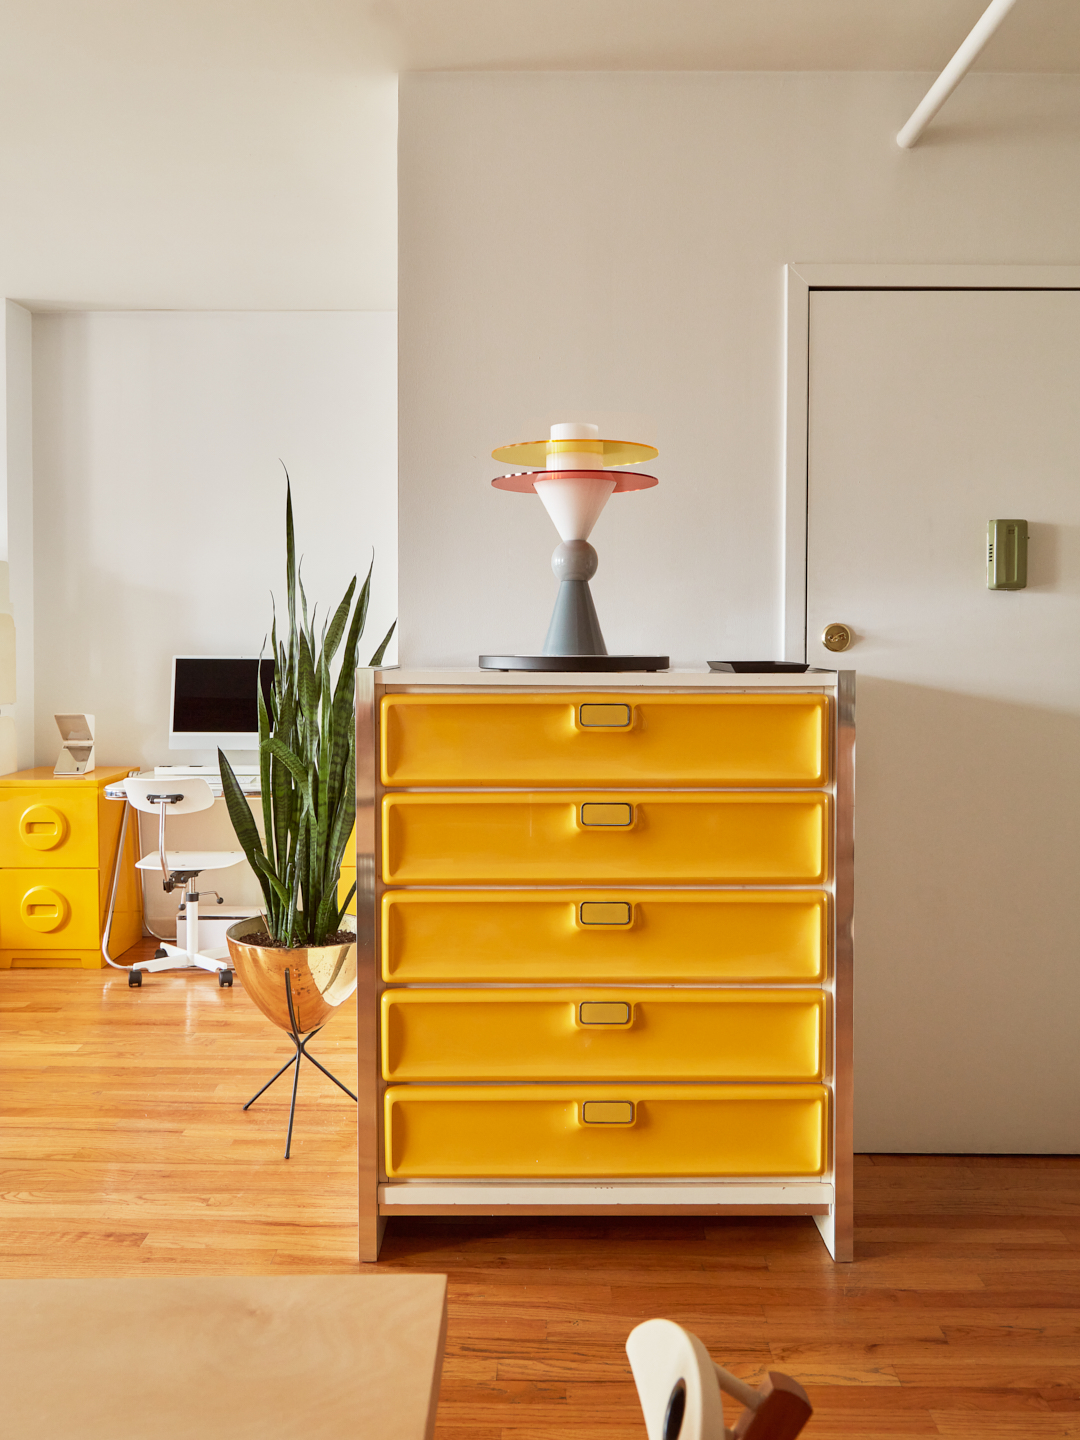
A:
(800, 281)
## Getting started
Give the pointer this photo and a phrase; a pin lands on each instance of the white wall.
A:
(159, 502)
(196, 154)
(17, 514)
(589, 244)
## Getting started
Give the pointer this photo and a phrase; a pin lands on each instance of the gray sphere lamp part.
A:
(575, 484)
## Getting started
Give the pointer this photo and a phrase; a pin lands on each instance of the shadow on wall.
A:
(967, 993)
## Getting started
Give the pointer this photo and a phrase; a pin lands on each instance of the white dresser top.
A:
(697, 677)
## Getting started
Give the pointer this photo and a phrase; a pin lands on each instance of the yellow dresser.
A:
(58, 846)
(605, 945)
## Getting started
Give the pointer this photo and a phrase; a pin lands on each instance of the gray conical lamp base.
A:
(574, 628)
(574, 488)
(574, 639)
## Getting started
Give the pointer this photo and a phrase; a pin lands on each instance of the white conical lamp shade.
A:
(574, 502)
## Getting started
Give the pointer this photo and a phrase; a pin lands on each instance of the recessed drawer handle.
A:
(604, 912)
(604, 815)
(604, 1012)
(42, 828)
(607, 1112)
(43, 908)
(604, 717)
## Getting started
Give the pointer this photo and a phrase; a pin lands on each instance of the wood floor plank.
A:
(124, 1150)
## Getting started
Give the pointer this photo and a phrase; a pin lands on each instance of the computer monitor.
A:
(213, 703)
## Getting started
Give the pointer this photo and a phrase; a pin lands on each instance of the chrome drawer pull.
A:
(607, 1112)
(604, 912)
(604, 717)
(613, 816)
(604, 1012)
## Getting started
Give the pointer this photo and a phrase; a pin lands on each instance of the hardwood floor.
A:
(125, 1151)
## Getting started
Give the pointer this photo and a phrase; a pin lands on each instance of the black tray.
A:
(759, 667)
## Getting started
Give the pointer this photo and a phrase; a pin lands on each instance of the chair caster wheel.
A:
(135, 979)
(161, 953)
(225, 978)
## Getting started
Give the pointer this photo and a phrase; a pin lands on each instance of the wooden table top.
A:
(243, 1357)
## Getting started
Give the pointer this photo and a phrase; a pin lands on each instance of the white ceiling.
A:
(309, 37)
(1039, 35)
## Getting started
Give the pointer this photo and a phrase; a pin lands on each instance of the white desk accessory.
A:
(77, 743)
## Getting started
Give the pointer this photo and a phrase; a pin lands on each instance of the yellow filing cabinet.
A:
(609, 933)
(58, 846)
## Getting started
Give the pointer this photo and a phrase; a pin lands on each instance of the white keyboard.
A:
(202, 772)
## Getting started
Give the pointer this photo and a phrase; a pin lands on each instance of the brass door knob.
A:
(836, 637)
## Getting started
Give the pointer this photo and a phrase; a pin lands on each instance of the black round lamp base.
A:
(559, 664)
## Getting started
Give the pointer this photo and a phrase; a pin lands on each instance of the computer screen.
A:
(214, 702)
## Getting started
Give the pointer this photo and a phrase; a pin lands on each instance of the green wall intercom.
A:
(1006, 554)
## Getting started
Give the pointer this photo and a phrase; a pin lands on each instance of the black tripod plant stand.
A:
(301, 1043)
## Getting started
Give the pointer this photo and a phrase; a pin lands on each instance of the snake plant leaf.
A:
(336, 626)
(377, 658)
(343, 908)
(290, 553)
(244, 825)
(342, 827)
(265, 868)
(295, 767)
(307, 758)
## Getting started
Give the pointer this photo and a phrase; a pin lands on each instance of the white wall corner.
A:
(17, 512)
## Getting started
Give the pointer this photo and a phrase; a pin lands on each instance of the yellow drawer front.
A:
(539, 935)
(49, 909)
(40, 828)
(601, 739)
(582, 1034)
(642, 837)
(537, 1131)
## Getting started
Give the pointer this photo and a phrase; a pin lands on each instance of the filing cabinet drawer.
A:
(604, 739)
(604, 837)
(583, 935)
(537, 1131)
(610, 1034)
(49, 909)
(39, 830)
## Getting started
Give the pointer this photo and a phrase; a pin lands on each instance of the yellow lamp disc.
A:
(529, 454)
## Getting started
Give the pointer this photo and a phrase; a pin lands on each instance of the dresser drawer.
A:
(604, 837)
(583, 935)
(535, 1131)
(603, 738)
(610, 1034)
(38, 831)
(49, 909)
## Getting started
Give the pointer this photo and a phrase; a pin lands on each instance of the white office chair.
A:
(180, 867)
(679, 1387)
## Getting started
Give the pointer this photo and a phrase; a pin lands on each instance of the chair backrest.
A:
(679, 1388)
(676, 1383)
(184, 796)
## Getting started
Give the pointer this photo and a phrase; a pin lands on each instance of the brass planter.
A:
(321, 977)
(297, 989)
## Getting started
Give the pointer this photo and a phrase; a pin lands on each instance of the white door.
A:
(932, 412)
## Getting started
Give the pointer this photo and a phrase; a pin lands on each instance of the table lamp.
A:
(575, 484)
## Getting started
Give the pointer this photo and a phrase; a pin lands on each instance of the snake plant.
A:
(307, 764)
